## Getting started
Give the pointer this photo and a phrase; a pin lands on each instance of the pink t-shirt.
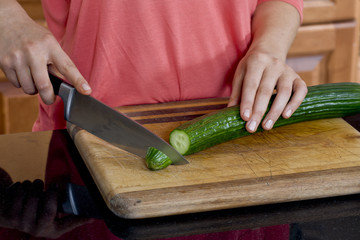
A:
(138, 52)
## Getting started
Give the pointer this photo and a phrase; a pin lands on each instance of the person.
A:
(139, 52)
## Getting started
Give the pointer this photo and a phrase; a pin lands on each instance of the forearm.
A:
(274, 28)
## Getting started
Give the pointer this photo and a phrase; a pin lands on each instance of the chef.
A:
(137, 52)
(126, 52)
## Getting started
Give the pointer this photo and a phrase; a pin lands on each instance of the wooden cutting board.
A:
(301, 161)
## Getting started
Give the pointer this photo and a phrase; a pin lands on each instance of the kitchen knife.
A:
(108, 124)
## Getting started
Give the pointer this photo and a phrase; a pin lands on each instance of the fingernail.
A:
(269, 124)
(288, 113)
(86, 87)
(247, 113)
(252, 125)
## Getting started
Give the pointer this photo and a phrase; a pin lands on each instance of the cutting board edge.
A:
(293, 187)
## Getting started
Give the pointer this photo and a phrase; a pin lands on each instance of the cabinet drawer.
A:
(321, 11)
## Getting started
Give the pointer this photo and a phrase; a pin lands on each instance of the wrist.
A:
(274, 28)
(268, 49)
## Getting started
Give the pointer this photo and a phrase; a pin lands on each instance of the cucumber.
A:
(322, 101)
(156, 160)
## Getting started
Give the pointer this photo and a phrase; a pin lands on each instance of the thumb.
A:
(63, 65)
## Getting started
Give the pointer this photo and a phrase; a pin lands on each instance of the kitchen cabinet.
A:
(326, 47)
(18, 110)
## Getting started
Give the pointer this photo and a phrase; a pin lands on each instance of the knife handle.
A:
(56, 82)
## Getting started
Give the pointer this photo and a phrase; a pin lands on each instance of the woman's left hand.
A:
(257, 76)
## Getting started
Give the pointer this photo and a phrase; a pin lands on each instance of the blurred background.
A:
(325, 50)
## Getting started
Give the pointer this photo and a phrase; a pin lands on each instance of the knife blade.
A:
(108, 124)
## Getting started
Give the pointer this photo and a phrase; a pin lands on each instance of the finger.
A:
(262, 98)
(47, 208)
(299, 93)
(68, 69)
(14, 202)
(25, 80)
(251, 82)
(11, 76)
(236, 86)
(23, 74)
(7, 65)
(284, 90)
(31, 205)
(42, 82)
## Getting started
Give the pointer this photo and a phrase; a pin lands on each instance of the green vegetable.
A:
(322, 101)
(156, 160)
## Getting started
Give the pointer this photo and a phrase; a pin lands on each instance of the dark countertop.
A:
(71, 207)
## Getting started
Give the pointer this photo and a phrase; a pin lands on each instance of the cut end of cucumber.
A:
(180, 141)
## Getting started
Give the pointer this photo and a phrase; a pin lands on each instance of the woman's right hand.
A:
(28, 50)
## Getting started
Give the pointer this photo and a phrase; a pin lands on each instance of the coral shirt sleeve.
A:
(298, 4)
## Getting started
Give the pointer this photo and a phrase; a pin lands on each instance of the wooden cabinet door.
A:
(325, 53)
(322, 11)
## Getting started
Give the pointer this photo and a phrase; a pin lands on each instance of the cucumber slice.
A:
(156, 160)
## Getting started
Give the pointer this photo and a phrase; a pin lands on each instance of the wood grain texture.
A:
(302, 161)
(329, 30)
(13, 120)
(321, 11)
(336, 44)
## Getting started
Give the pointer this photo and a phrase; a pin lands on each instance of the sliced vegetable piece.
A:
(156, 160)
